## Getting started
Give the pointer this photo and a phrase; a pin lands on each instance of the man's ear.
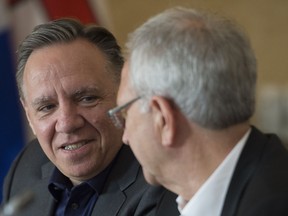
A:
(164, 114)
(27, 115)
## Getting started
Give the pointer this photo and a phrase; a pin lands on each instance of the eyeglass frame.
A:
(112, 113)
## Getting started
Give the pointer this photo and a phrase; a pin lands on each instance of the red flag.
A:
(79, 9)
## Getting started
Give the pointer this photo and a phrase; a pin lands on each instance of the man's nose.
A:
(69, 119)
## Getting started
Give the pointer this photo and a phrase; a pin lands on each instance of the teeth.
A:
(74, 146)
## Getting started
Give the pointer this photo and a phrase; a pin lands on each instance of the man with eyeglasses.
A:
(68, 76)
(187, 93)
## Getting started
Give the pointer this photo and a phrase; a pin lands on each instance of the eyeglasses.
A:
(119, 113)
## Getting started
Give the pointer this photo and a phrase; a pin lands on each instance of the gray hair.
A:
(202, 63)
(66, 30)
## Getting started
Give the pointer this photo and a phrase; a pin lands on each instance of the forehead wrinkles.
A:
(44, 85)
(54, 73)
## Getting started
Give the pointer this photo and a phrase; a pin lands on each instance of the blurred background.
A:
(265, 21)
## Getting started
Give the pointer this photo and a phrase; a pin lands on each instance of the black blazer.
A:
(259, 185)
(125, 192)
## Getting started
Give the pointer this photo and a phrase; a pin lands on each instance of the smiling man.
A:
(68, 77)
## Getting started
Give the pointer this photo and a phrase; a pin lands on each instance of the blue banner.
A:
(11, 130)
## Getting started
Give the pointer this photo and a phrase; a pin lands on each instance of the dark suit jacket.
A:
(259, 185)
(125, 192)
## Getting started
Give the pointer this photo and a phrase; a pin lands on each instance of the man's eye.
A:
(89, 99)
(46, 108)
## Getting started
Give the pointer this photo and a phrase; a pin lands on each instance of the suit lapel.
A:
(122, 175)
(109, 202)
(46, 203)
(244, 170)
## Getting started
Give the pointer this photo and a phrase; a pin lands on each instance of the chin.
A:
(151, 179)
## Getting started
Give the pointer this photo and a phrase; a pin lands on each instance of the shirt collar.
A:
(216, 185)
(59, 182)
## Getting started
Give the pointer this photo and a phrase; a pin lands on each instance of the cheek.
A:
(133, 129)
(98, 120)
(98, 117)
(137, 140)
(143, 139)
(105, 127)
(44, 131)
(142, 152)
(45, 134)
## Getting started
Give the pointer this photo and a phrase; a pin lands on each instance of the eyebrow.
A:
(85, 90)
(77, 93)
(40, 100)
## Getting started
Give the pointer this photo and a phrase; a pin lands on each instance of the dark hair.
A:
(66, 30)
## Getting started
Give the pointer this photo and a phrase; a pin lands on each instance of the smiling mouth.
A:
(74, 146)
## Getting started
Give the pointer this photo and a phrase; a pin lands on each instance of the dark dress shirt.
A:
(75, 200)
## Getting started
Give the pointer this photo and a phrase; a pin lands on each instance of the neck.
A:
(201, 156)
